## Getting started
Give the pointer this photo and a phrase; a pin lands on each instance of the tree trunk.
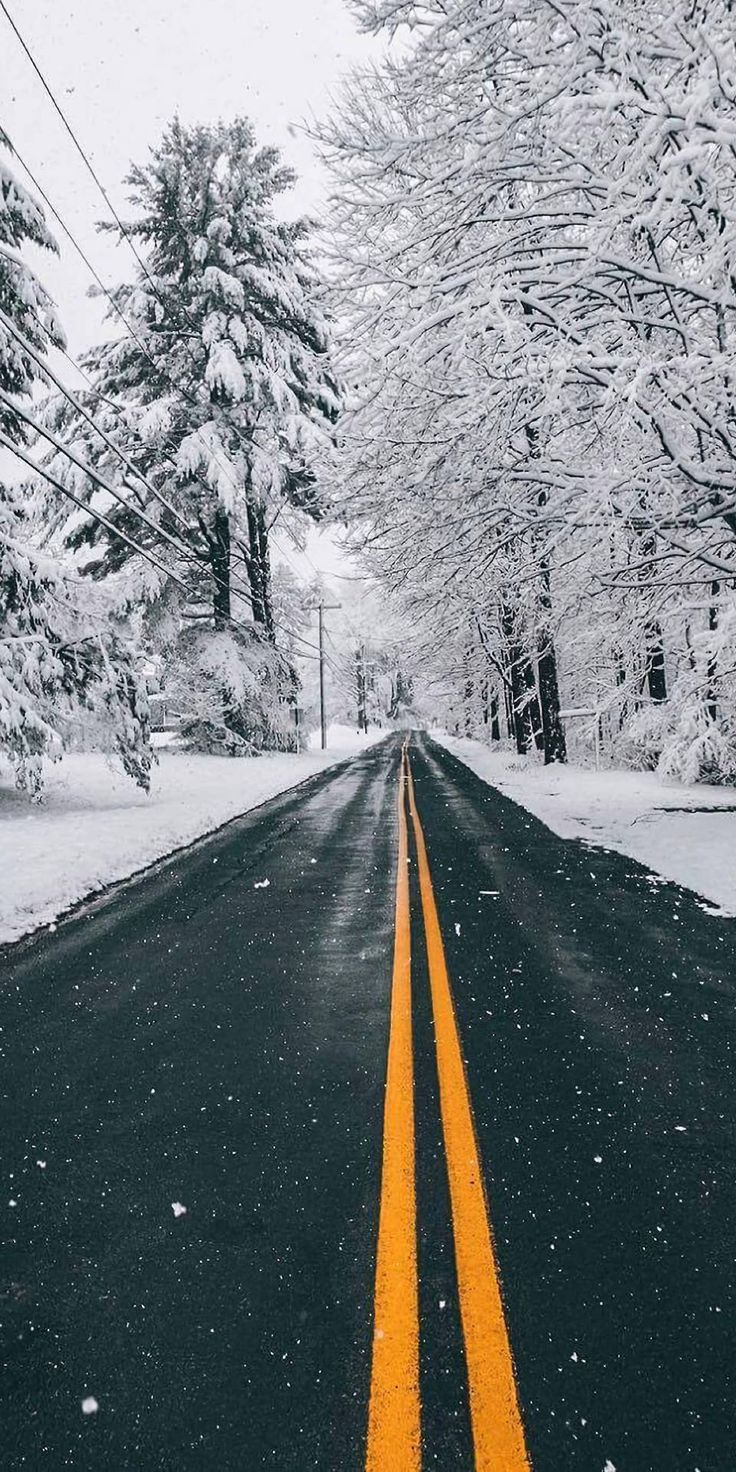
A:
(711, 702)
(518, 665)
(495, 725)
(655, 670)
(468, 704)
(259, 569)
(620, 681)
(361, 689)
(522, 711)
(219, 549)
(555, 746)
(532, 703)
(397, 691)
(508, 705)
(485, 704)
(220, 563)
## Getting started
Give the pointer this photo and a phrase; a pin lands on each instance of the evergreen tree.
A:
(62, 657)
(228, 399)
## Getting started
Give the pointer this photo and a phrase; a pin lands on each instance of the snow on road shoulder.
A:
(95, 827)
(661, 824)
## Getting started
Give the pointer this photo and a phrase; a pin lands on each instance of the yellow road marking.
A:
(394, 1436)
(498, 1434)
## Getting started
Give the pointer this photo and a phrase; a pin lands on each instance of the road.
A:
(204, 1038)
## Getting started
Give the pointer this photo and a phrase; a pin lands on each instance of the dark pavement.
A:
(201, 1038)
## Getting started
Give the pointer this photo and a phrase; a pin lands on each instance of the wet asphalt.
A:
(202, 1038)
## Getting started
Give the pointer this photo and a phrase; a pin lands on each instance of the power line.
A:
(185, 552)
(117, 409)
(72, 399)
(115, 531)
(179, 547)
(125, 234)
(98, 515)
(121, 226)
(94, 475)
(161, 372)
(86, 161)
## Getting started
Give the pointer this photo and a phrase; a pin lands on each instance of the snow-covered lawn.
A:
(637, 813)
(95, 826)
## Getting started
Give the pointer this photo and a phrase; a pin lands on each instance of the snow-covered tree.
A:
(63, 657)
(221, 393)
(535, 221)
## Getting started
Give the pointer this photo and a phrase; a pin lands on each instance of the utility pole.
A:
(360, 675)
(322, 607)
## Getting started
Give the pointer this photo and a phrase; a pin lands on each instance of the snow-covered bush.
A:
(235, 692)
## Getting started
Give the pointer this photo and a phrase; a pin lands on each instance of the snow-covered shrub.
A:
(691, 737)
(640, 742)
(236, 691)
(699, 749)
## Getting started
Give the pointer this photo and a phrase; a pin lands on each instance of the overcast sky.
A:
(120, 69)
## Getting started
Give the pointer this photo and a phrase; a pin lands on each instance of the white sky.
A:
(120, 69)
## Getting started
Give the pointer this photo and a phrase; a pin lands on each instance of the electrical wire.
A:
(161, 372)
(80, 409)
(289, 632)
(178, 390)
(150, 557)
(179, 547)
(80, 150)
(115, 531)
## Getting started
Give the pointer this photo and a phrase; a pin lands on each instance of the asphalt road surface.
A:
(215, 1036)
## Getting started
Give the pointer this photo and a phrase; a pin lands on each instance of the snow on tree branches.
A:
(63, 657)
(220, 391)
(537, 247)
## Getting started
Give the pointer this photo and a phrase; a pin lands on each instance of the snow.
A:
(96, 827)
(661, 824)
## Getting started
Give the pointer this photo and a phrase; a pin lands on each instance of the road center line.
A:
(394, 1436)
(498, 1434)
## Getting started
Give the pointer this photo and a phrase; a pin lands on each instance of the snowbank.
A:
(96, 827)
(686, 834)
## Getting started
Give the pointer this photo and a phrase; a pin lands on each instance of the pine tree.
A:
(228, 397)
(62, 654)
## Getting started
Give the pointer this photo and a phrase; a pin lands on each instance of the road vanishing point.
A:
(381, 1131)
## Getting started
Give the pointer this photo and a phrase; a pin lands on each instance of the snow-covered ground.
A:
(660, 823)
(95, 826)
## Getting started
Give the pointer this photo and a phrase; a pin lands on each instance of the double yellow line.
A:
(394, 1416)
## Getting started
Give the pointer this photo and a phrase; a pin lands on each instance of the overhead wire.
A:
(80, 150)
(103, 520)
(99, 516)
(110, 297)
(178, 390)
(71, 398)
(125, 234)
(239, 588)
